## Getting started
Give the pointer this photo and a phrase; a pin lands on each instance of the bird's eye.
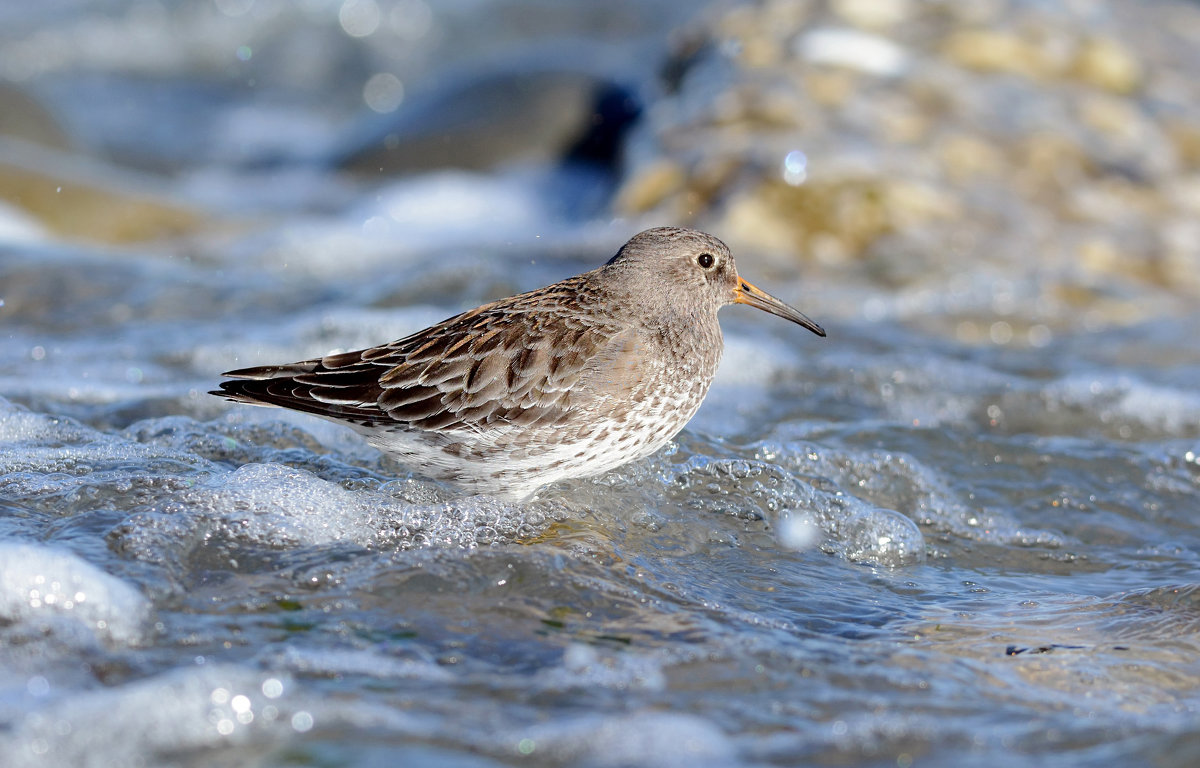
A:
(706, 260)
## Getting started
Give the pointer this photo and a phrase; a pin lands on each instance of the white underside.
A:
(645, 429)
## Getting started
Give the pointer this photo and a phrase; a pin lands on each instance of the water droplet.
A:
(383, 92)
(302, 722)
(272, 688)
(795, 167)
(38, 686)
(359, 18)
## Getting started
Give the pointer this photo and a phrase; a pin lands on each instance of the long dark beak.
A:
(746, 293)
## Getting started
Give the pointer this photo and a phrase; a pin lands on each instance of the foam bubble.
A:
(883, 537)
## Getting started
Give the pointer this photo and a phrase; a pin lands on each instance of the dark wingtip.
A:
(225, 391)
(243, 373)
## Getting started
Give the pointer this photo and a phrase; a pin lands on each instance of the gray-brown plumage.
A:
(569, 380)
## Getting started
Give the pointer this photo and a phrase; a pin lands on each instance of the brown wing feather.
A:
(510, 362)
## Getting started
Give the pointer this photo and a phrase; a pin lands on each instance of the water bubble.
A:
(302, 722)
(411, 19)
(359, 18)
(37, 686)
(883, 537)
(795, 167)
(1039, 335)
(798, 532)
(383, 92)
(1000, 332)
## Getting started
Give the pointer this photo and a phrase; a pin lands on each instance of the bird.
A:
(566, 381)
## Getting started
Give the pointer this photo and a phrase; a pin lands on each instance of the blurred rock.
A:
(872, 14)
(494, 118)
(23, 117)
(997, 52)
(652, 184)
(1052, 144)
(1106, 63)
(81, 199)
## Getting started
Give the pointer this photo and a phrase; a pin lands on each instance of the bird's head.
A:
(690, 271)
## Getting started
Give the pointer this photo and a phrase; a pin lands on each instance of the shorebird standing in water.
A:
(570, 380)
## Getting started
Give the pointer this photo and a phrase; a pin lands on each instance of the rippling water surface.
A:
(945, 535)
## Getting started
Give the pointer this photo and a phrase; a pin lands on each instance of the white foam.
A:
(151, 721)
(17, 226)
(277, 505)
(54, 590)
(1165, 410)
(661, 739)
(343, 661)
(584, 666)
(435, 206)
(20, 425)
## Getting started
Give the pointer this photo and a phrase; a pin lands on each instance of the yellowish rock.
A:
(901, 123)
(1099, 255)
(83, 210)
(913, 204)
(761, 51)
(966, 157)
(751, 221)
(650, 186)
(1106, 63)
(1181, 255)
(872, 14)
(1047, 164)
(1111, 115)
(784, 18)
(709, 176)
(830, 87)
(853, 211)
(1185, 136)
(997, 51)
(1184, 195)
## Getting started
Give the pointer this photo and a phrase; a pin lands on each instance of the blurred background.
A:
(961, 530)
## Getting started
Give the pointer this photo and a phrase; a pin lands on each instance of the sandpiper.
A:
(570, 380)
